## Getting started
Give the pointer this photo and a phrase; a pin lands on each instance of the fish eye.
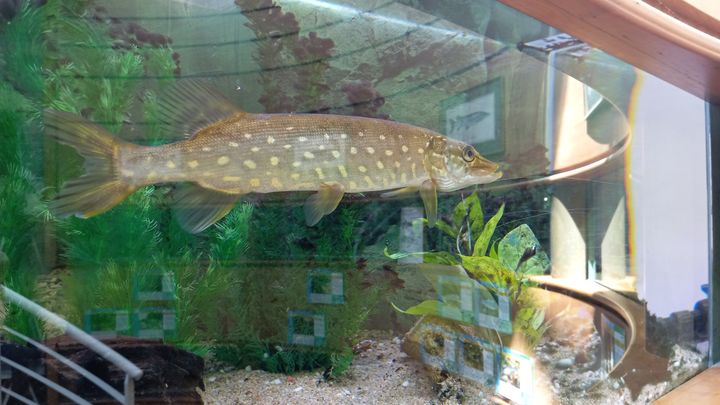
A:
(468, 154)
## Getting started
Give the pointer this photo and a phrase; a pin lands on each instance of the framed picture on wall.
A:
(475, 117)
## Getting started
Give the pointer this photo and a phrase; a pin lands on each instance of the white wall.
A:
(669, 200)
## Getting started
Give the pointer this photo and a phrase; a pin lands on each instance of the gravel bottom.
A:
(381, 374)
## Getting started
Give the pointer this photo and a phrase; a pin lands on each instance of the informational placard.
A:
(154, 323)
(104, 323)
(494, 312)
(154, 286)
(613, 341)
(516, 377)
(475, 303)
(477, 359)
(325, 286)
(411, 234)
(306, 328)
(438, 347)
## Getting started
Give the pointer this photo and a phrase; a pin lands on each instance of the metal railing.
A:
(132, 372)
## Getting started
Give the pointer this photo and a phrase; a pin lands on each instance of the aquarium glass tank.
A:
(341, 201)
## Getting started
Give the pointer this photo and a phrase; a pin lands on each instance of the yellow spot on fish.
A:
(288, 146)
(270, 140)
(397, 164)
(421, 151)
(127, 173)
(393, 177)
(343, 136)
(403, 178)
(302, 139)
(352, 184)
(152, 175)
(148, 158)
(370, 150)
(409, 158)
(249, 163)
(255, 182)
(254, 149)
(290, 128)
(385, 181)
(326, 136)
(388, 153)
(382, 137)
(404, 149)
(206, 149)
(412, 167)
(336, 154)
(319, 173)
(380, 165)
(361, 133)
(362, 169)
(296, 164)
(308, 155)
(247, 136)
(223, 160)
(353, 150)
(369, 181)
(193, 164)
(234, 144)
(232, 178)
(342, 170)
(275, 182)
(170, 164)
(274, 161)
(321, 147)
(295, 176)
(207, 174)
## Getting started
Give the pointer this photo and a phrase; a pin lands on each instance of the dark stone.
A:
(170, 375)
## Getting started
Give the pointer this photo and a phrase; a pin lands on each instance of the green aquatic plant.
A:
(51, 58)
(24, 215)
(284, 263)
(496, 268)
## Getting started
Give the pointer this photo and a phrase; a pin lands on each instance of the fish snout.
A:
(486, 165)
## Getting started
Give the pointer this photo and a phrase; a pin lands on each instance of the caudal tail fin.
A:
(100, 188)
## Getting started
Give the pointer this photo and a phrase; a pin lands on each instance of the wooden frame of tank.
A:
(643, 36)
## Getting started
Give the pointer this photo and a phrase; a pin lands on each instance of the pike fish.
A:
(231, 153)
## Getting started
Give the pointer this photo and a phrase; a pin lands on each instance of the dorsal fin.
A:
(189, 105)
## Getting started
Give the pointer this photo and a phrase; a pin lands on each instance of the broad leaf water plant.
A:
(497, 269)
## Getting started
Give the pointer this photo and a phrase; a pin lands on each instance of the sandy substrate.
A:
(382, 374)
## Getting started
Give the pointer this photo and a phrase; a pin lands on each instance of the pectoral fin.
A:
(428, 193)
(400, 191)
(197, 208)
(323, 202)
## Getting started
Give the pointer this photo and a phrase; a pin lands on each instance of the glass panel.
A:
(443, 200)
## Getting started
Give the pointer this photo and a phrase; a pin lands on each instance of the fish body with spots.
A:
(246, 153)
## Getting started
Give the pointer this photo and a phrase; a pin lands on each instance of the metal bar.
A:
(67, 393)
(17, 396)
(129, 390)
(80, 370)
(90, 342)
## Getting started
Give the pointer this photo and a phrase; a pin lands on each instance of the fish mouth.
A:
(486, 167)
